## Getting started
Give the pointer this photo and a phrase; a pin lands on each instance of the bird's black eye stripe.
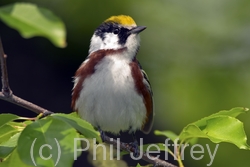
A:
(111, 27)
(116, 30)
(108, 27)
(123, 35)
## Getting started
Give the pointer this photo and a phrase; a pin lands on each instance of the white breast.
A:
(109, 98)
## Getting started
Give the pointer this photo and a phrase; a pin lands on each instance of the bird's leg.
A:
(102, 134)
(134, 144)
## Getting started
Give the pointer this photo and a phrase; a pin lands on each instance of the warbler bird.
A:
(111, 91)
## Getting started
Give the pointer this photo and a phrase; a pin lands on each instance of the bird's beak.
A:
(137, 30)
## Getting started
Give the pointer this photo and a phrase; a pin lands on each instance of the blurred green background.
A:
(196, 54)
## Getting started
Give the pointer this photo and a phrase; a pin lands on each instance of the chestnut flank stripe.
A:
(143, 90)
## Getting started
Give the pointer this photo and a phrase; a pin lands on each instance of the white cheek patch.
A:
(110, 41)
(95, 43)
(133, 42)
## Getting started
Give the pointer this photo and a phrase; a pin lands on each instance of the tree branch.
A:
(146, 157)
(7, 94)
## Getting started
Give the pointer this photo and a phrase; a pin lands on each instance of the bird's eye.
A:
(116, 31)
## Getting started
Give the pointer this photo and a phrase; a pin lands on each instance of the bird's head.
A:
(115, 33)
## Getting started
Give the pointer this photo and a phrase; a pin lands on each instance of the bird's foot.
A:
(135, 146)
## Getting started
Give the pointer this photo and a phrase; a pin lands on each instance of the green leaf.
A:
(31, 21)
(149, 165)
(6, 132)
(80, 125)
(5, 118)
(226, 129)
(219, 127)
(191, 131)
(7, 147)
(138, 165)
(169, 134)
(173, 137)
(48, 142)
(234, 112)
(14, 160)
(20, 125)
(9, 128)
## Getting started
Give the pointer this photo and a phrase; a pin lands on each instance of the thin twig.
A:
(23, 103)
(146, 157)
(5, 81)
(7, 94)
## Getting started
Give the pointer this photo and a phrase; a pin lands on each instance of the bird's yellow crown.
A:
(122, 20)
